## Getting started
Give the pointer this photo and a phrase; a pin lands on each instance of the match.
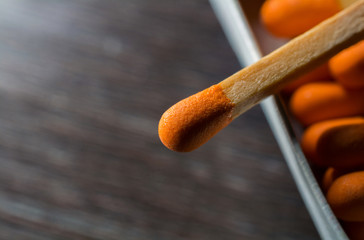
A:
(193, 121)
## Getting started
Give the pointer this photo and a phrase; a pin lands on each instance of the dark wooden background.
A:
(82, 87)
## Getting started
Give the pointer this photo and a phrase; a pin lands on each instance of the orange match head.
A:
(346, 197)
(290, 18)
(347, 67)
(193, 121)
(337, 143)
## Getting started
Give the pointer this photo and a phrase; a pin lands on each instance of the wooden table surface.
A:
(82, 87)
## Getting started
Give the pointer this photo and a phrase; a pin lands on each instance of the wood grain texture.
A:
(82, 87)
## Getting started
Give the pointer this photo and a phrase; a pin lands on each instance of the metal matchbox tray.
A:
(240, 22)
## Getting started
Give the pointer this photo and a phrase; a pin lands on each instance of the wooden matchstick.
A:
(193, 121)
